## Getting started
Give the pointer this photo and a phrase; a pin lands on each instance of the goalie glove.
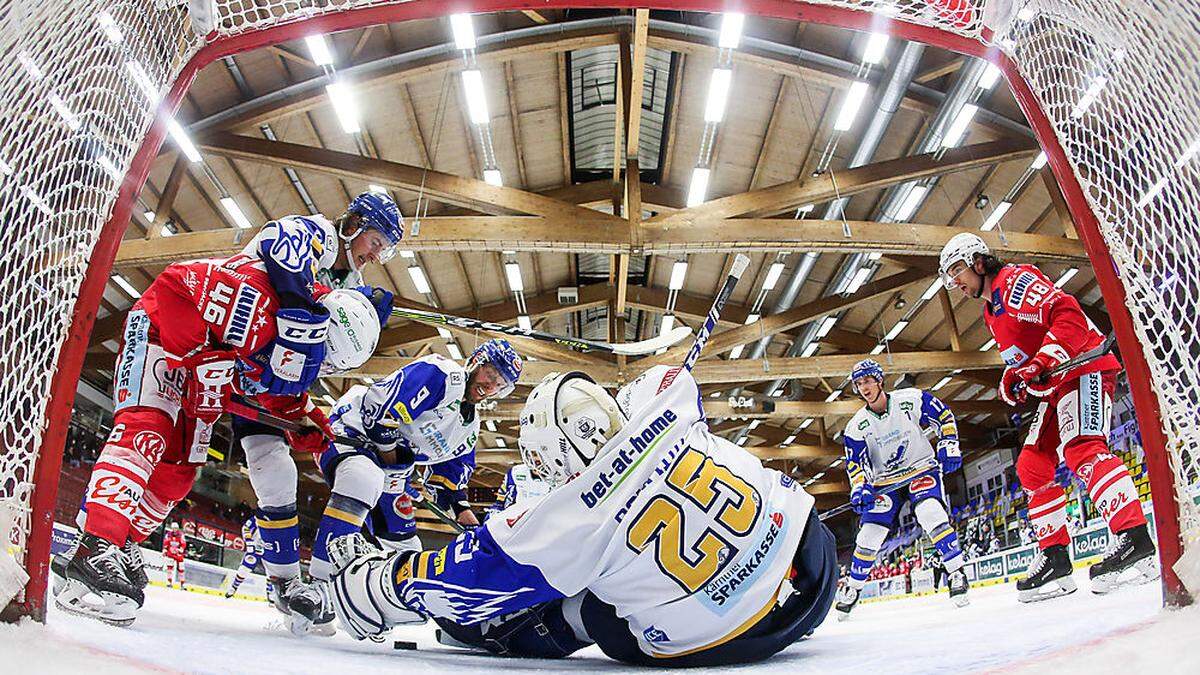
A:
(949, 455)
(364, 588)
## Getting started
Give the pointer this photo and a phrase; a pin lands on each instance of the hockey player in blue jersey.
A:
(661, 543)
(250, 557)
(422, 415)
(885, 447)
(520, 484)
(302, 253)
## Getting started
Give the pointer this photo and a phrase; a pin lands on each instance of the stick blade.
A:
(669, 339)
(740, 263)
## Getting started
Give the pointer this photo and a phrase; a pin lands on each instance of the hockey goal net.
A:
(1110, 87)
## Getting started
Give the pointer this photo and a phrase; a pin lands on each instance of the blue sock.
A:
(860, 566)
(945, 540)
(280, 531)
(343, 515)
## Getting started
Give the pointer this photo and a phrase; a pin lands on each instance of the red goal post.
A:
(82, 127)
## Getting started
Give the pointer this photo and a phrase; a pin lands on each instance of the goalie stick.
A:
(710, 323)
(640, 348)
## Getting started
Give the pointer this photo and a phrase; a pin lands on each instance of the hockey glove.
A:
(209, 384)
(381, 299)
(297, 352)
(316, 434)
(949, 455)
(862, 499)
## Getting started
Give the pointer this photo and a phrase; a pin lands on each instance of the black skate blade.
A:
(445, 639)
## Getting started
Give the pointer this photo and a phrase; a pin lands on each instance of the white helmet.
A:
(353, 331)
(962, 247)
(565, 422)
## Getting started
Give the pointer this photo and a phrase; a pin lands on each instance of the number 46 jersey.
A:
(688, 536)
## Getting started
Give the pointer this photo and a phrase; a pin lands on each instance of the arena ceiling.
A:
(842, 237)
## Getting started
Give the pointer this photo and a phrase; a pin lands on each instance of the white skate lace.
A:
(1115, 542)
(1039, 561)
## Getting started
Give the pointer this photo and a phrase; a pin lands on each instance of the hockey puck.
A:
(403, 644)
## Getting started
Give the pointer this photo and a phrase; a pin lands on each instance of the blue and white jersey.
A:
(687, 535)
(299, 250)
(887, 448)
(250, 537)
(519, 486)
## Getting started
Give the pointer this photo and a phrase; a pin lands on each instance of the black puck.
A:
(404, 644)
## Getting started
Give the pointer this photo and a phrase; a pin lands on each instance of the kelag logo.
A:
(990, 568)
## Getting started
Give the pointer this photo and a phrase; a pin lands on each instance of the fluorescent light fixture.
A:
(988, 345)
(1179, 162)
(989, 78)
(477, 108)
(912, 201)
(493, 177)
(826, 326)
(850, 106)
(419, 279)
(742, 440)
(166, 231)
(878, 349)
(111, 30)
(185, 144)
(318, 48)
(668, 322)
(454, 351)
(30, 66)
(941, 383)
(805, 210)
(731, 30)
(231, 207)
(994, 217)
(773, 274)
(810, 349)
(464, 31)
(512, 270)
(138, 73)
(678, 272)
(1089, 96)
(126, 286)
(933, 289)
(524, 322)
(819, 476)
(444, 333)
(37, 201)
(491, 426)
(1152, 192)
(736, 352)
(328, 399)
(369, 380)
(876, 48)
(789, 440)
(109, 168)
(715, 394)
(342, 98)
(958, 128)
(751, 318)
(836, 462)
(896, 330)
(778, 392)
(1039, 161)
(698, 188)
(407, 254)
(149, 216)
(60, 107)
(860, 278)
(754, 424)
(833, 396)
(378, 189)
(1066, 276)
(1026, 13)
(805, 424)
(718, 94)
(5, 168)
(500, 443)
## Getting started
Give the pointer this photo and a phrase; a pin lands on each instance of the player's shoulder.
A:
(859, 422)
(1015, 282)
(652, 382)
(908, 394)
(437, 369)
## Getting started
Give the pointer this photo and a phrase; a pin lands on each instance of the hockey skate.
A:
(58, 566)
(135, 566)
(846, 600)
(97, 585)
(1049, 576)
(325, 623)
(1129, 560)
(299, 602)
(957, 581)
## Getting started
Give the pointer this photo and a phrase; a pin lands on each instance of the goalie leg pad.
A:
(364, 593)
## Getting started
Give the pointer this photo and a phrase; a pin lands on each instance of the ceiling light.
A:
(698, 188)
(742, 440)
(407, 254)
(1089, 96)
(789, 440)
(754, 424)
(512, 270)
(342, 97)
(138, 73)
(1039, 161)
(183, 142)
(988, 345)
(1066, 276)
(991, 75)
(477, 108)
(377, 189)
(149, 216)
(454, 351)
(878, 350)
(994, 217)
(491, 426)
(833, 396)
(826, 326)
(731, 30)
(810, 349)
(235, 212)
(445, 334)
(933, 289)
(718, 94)
(524, 322)
(109, 25)
(492, 177)
(64, 112)
(773, 274)
(678, 272)
(896, 330)
(805, 424)
(941, 383)
(501, 443)
(912, 201)
(860, 278)
(420, 281)
(318, 48)
(126, 286)
(958, 127)
(737, 352)
(668, 322)
(850, 105)
(876, 48)
(752, 317)
(464, 31)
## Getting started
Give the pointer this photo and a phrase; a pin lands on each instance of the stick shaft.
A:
(714, 313)
(263, 417)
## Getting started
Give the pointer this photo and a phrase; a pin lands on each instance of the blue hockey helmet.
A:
(866, 368)
(379, 212)
(501, 356)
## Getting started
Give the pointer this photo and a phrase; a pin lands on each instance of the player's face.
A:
(485, 383)
(965, 279)
(869, 388)
(367, 247)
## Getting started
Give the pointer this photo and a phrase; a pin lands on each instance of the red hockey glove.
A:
(1029, 378)
(316, 434)
(209, 384)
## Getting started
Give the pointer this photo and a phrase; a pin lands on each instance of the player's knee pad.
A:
(403, 542)
(1034, 468)
(931, 514)
(871, 537)
(272, 470)
(364, 591)
(359, 478)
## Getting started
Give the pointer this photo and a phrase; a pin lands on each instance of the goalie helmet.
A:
(353, 331)
(565, 422)
(962, 247)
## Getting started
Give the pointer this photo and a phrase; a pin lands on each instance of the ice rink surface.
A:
(189, 632)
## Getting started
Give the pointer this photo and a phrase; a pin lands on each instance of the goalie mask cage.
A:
(88, 89)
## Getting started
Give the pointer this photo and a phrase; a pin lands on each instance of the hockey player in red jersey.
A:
(1038, 326)
(202, 329)
(174, 546)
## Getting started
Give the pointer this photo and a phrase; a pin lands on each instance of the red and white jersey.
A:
(202, 305)
(1027, 313)
(174, 545)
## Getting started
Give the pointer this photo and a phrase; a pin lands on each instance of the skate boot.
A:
(1049, 576)
(957, 581)
(135, 566)
(299, 602)
(58, 565)
(847, 598)
(97, 584)
(325, 624)
(1129, 560)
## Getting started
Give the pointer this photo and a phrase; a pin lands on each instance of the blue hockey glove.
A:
(949, 455)
(381, 299)
(862, 499)
(297, 352)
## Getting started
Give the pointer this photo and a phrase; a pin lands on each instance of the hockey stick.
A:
(885, 491)
(1097, 352)
(710, 323)
(640, 348)
(253, 414)
(440, 514)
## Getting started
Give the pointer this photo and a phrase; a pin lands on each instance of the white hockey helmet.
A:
(565, 422)
(962, 247)
(353, 331)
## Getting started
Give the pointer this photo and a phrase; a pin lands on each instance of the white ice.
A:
(178, 631)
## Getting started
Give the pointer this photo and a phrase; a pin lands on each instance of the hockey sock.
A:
(945, 540)
(169, 484)
(1112, 491)
(1048, 514)
(860, 566)
(343, 515)
(280, 531)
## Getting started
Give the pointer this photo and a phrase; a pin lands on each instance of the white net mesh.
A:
(1116, 78)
